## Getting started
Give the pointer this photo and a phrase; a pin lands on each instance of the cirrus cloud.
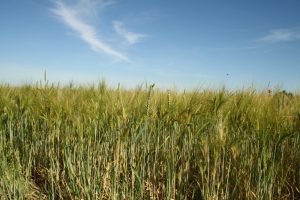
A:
(72, 17)
(281, 35)
(129, 36)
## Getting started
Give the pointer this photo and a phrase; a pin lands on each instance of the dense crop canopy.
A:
(101, 143)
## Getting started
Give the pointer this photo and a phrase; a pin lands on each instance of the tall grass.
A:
(102, 143)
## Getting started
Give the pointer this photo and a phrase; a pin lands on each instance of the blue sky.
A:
(187, 44)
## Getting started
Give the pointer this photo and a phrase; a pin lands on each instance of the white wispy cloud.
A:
(281, 35)
(130, 37)
(72, 17)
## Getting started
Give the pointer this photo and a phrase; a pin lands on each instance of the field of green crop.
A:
(101, 143)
